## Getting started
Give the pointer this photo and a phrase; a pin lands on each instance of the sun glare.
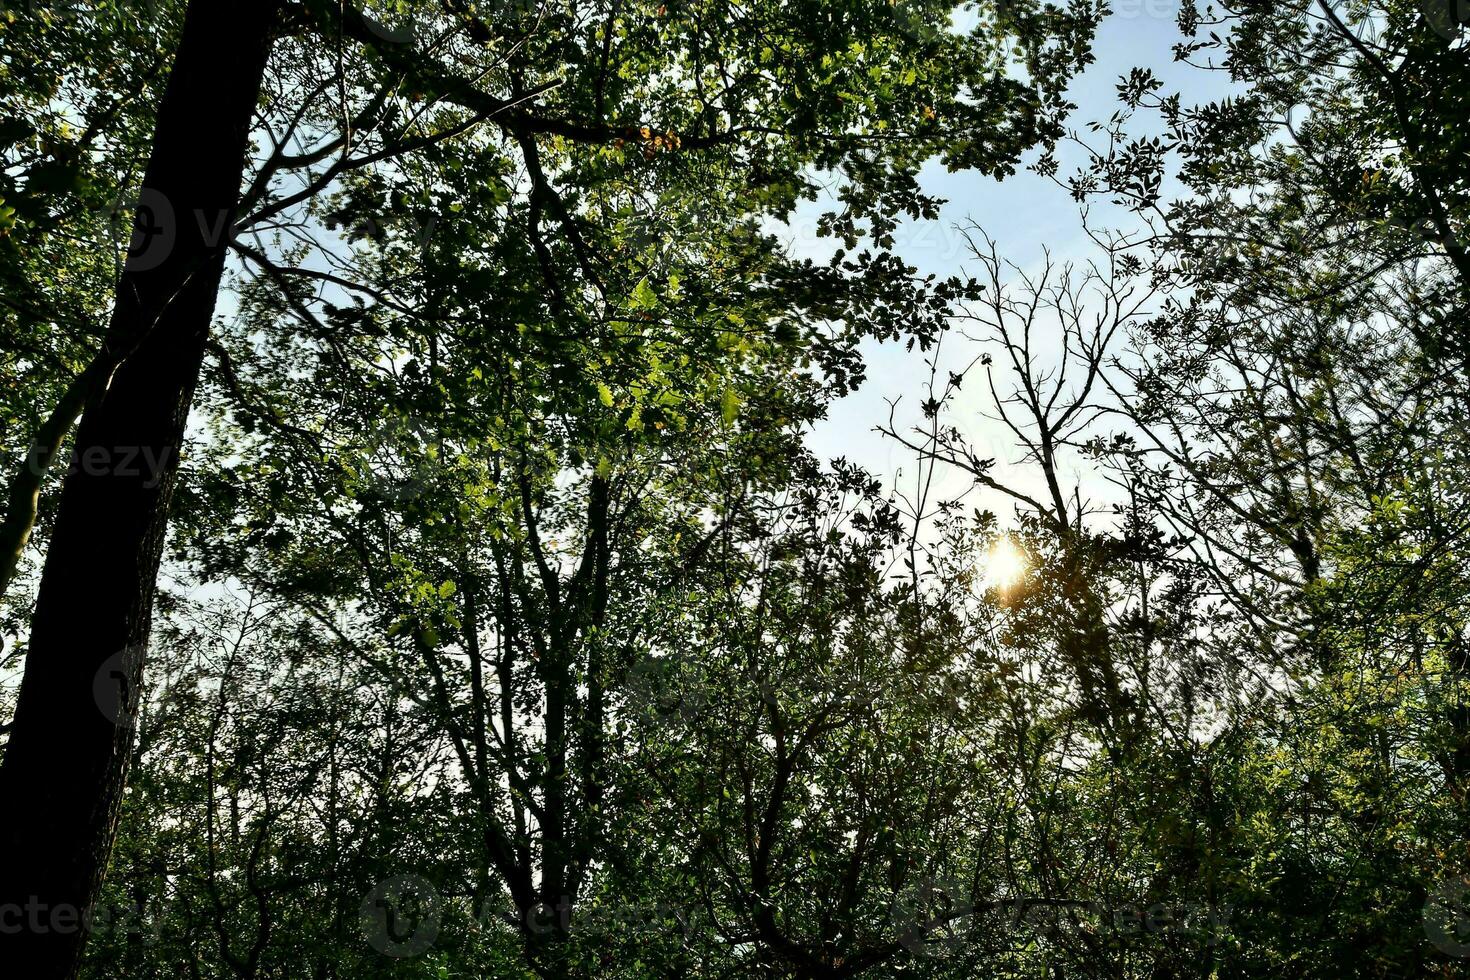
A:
(1004, 564)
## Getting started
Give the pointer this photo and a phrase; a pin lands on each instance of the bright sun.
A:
(1004, 564)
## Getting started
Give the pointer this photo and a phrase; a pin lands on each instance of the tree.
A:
(1293, 400)
(79, 99)
(96, 594)
(160, 331)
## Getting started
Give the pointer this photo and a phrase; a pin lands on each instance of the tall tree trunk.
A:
(65, 765)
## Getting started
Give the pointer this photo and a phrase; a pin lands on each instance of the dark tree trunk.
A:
(65, 765)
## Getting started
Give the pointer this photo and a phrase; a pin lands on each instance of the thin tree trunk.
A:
(24, 493)
(65, 765)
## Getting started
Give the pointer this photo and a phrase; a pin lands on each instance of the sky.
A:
(1024, 213)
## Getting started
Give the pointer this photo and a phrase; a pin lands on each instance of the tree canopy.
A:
(415, 562)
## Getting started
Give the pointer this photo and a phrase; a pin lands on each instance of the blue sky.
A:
(1024, 213)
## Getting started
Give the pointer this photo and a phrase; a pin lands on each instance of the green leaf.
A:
(644, 298)
(729, 405)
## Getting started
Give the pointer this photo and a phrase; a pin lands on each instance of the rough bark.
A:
(65, 765)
